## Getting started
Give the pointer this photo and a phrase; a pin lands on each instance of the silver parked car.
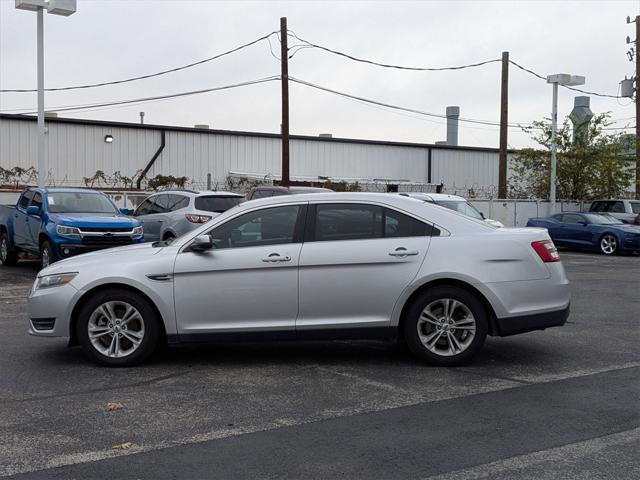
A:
(622, 209)
(331, 265)
(453, 202)
(167, 215)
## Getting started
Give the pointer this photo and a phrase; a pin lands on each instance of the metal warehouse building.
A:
(78, 148)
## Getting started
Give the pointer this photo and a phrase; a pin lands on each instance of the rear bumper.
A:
(528, 323)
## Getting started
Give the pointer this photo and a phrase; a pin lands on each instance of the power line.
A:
(565, 86)
(151, 75)
(158, 97)
(397, 107)
(386, 65)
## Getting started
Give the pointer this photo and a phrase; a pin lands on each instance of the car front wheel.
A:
(118, 328)
(445, 326)
(608, 244)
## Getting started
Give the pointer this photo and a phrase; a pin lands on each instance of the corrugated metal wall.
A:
(78, 150)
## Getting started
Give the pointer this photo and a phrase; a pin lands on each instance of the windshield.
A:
(460, 206)
(79, 202)
(603, 219)
(216, 204)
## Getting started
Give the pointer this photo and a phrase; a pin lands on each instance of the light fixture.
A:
(108, 139)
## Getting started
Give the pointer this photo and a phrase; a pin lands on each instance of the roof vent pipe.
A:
(453, 113)
(580, 116)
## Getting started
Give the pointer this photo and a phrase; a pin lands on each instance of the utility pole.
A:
(504, 119)
(284, 80)
(637, 109)
(42, 129)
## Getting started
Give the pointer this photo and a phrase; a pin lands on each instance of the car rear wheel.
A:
(608, 244)
(445, 326)
(118, 328)
(169, 237)
(46, 255)
(8, 255)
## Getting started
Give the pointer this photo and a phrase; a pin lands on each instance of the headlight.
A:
(58, 280)
(137, 231)
(64, 231)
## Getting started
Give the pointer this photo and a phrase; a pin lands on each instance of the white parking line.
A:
(567, 454)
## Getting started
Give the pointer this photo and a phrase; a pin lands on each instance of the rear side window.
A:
(260, 194)
(635, 207)
(348, 222)
(598, 207)
(358, 221)
(26, 199)
(176, 202)
(217, 204)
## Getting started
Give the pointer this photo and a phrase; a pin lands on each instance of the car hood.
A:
(103, 258)
(94, 220)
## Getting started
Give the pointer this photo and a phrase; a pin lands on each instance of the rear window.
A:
(216, 204)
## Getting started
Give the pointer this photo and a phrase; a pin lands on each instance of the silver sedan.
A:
(336, 265)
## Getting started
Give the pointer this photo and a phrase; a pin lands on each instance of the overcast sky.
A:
(111, 39)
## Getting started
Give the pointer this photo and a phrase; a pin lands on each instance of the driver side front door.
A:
(248, 282)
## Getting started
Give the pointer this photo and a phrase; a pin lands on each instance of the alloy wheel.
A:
(608, 244)
(116, 329)
(446, 327)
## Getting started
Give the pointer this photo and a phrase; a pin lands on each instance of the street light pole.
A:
(42, 130)
(555, 80)
(56, 7)
(554, 148)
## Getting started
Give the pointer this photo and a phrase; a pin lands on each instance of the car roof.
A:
(70, 190)
(280, 188)
(201, 193)
(430, 212)
(433, 196)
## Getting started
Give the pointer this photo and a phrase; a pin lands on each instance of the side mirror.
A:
(201, 243)
(126, 211)
(33, 210)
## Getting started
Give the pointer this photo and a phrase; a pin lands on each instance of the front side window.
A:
(269, 226)
(618, 207)
(79, 202)
(37, 200)
(573, 218)
(26, 199)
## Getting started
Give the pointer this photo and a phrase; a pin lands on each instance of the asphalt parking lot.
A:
(563, 403)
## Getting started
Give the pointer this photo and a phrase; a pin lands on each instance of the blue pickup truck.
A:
(57, 223)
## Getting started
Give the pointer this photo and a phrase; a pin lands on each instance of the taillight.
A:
(197, 218)
(546, 250)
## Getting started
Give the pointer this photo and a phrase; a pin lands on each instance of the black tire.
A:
(8, 254)
(46, 254)
(415, 327)
(608, 244)
(169, 237)
(150, 322)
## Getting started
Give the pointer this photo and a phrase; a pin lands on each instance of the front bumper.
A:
(69, 249)
(49, 311)
(528, 323)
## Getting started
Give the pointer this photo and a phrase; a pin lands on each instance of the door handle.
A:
(402, 252)
(275, 258)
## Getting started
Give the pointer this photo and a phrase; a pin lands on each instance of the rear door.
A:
(356, 260)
